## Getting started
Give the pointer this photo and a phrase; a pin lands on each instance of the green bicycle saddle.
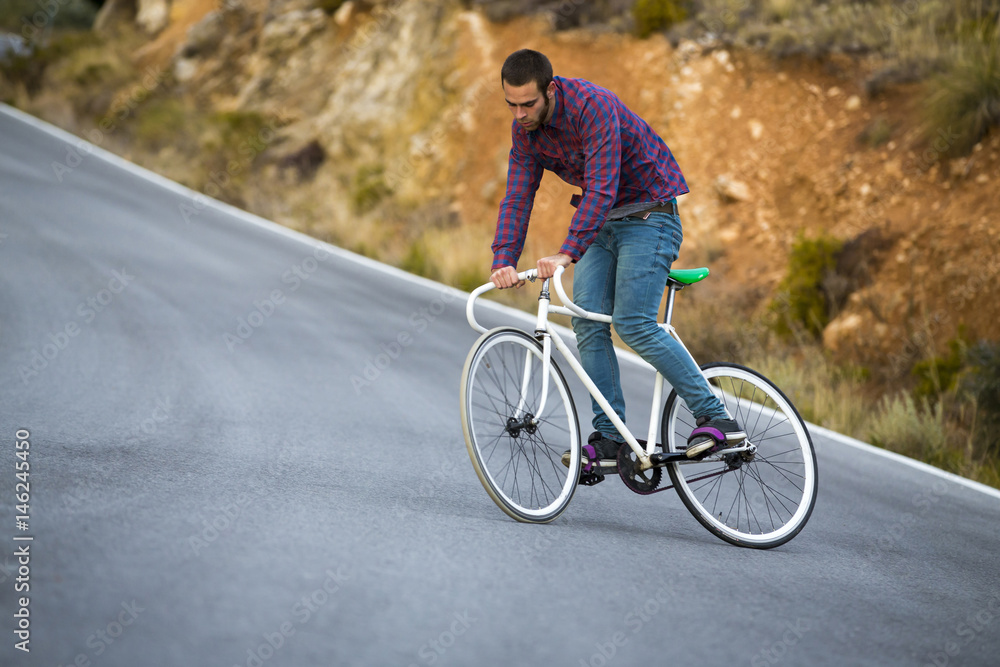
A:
(689, 276)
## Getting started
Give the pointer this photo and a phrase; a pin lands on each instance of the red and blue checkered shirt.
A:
(593, 141)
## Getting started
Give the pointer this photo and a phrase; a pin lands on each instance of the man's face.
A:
(530, 106)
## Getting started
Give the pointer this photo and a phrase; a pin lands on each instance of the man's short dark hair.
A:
(524, 66)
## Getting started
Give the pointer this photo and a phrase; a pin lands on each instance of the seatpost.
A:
(669, 312)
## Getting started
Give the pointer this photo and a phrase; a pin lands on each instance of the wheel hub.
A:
(515, 426)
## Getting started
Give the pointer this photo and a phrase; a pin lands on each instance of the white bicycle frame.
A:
(545, 331)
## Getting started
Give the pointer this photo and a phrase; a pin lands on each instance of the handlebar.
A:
(531, 275)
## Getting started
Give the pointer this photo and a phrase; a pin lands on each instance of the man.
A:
(624, 236)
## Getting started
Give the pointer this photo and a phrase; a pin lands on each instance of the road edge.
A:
(367, 262)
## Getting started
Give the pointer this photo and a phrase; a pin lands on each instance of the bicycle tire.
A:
(762, 503)
(531, 485)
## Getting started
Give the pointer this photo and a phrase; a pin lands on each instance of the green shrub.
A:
(370, 187)
(30, 18)
(780, 10)
(236, 134)
(161, 121)
(963, 102)
(901, 426)
(938, 375)
(29, 69)
(470, 276)
(801, 304)
(655, 15)
(823, 393)
(876, 133)
(983, 384)
(330, 7)
(418, 260)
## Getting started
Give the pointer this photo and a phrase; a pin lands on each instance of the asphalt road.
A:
(225, 471)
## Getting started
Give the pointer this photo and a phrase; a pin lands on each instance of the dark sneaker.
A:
(711, 435)
(600, 455)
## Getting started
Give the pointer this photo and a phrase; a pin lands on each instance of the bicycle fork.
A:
(521, 418)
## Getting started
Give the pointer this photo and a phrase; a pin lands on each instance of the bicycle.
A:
(518, 417)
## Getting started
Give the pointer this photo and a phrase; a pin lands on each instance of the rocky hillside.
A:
(381, 127)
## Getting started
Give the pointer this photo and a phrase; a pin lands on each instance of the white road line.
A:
(399, 274)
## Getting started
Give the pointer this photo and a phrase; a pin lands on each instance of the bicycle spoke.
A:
(519, 461)
(759, 498)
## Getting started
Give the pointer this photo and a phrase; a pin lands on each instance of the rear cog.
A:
(643, 482)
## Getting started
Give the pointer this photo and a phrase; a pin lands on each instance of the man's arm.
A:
(523, 176)
(603, 147)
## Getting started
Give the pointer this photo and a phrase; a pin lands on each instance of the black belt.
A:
(669, 207)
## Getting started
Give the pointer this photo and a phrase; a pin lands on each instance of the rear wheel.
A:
(515, 450)
(757, 499)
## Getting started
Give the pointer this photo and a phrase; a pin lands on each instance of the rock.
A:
(305, 161)
(152, 15)
(287, 31)
(203, 36)
(756, 129)
(344, 13)
(841, 330)
(185, 69)
(853, 103)
(982, 178)
(731, 190)
(111, 13)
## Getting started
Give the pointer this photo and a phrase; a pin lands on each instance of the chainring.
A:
(643, 482)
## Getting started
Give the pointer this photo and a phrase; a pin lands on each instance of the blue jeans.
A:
(624, 273)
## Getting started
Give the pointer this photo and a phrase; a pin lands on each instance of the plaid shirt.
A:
(594, 141)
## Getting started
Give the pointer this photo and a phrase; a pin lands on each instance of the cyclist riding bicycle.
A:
(624, 237)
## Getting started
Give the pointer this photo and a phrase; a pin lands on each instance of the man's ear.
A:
(551, 90)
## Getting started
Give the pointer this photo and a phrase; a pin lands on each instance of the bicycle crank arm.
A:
(663, 458)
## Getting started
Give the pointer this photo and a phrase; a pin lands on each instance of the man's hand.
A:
(547, 265)
(506, 276)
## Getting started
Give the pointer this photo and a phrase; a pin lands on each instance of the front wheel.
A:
(516, 449)
(758, 499)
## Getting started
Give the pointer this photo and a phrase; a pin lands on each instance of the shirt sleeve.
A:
(524, 173)
(603, 155)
